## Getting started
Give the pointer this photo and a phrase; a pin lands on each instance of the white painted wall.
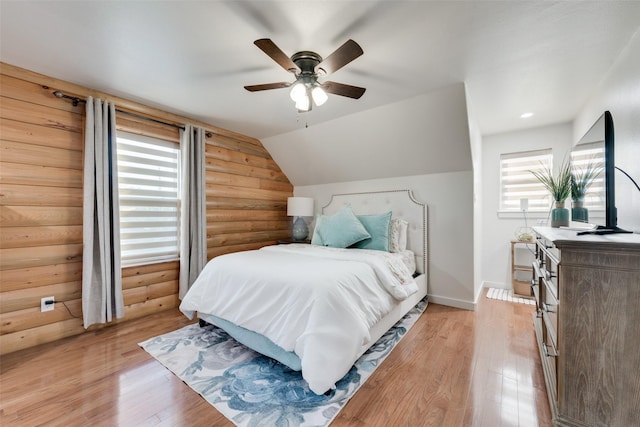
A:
(456, 237)
(420, 144)
(475, 140)
(449, 197)
(422, 135)
(619, 93)
(497, 232)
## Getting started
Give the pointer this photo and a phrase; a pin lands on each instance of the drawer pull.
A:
(546, 351)
(546, 307)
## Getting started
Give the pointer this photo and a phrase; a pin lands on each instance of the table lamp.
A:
(300, 207)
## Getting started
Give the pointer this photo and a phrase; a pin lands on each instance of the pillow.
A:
(341, 229)
(316, 239)
(378, 227)
(398, 235)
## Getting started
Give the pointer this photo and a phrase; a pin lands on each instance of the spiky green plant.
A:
(559, 186)
(581, 179)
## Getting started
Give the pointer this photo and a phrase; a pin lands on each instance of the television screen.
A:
(595, 153)
(588, 193)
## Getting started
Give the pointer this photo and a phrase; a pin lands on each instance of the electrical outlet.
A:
(47, 304)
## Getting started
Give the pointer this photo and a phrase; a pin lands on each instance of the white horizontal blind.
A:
(148, 181)
(517, 182)
(592, 154)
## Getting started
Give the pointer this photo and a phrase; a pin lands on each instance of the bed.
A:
(315, 308)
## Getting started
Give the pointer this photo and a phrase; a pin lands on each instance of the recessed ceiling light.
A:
(526, 115)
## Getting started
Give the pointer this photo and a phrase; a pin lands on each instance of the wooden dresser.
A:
(587, 291)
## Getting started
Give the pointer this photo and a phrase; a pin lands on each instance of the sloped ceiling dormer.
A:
(194, 58)
(418, 136)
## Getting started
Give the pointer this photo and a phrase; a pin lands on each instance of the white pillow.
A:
(398, 235)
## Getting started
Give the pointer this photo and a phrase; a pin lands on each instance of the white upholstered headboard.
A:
(402, 204)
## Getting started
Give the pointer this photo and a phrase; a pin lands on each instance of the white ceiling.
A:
(193, 58)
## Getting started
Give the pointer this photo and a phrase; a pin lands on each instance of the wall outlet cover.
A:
(47, 307)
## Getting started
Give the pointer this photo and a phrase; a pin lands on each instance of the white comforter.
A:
(318, 302)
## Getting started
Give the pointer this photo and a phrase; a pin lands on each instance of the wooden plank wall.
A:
(41, 139)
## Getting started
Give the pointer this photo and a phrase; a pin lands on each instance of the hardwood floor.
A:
(454, 368)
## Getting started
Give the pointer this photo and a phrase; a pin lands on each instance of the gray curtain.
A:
(193, 220)
(101, 270)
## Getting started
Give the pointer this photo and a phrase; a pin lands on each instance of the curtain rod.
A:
(75, 101)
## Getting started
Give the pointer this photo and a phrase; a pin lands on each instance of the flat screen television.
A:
(597, 149)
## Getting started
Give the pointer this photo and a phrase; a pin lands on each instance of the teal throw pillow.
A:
(341, 229)
(316, 239)
(378, 227)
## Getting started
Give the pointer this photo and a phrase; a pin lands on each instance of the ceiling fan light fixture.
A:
(319, 96)
(298, 91)
(303, 103)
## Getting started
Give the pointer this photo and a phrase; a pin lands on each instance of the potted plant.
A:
(560, 189)
(581, 180)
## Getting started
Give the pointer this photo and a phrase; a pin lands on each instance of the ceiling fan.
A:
(307, 66)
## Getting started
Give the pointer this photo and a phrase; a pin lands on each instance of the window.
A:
(585, 155)
(148, 181)
(517, 182)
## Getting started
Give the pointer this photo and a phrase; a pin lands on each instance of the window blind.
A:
(591, 154)
(517, 182)
(148, 181)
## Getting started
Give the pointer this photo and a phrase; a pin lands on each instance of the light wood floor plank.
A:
(454, 368)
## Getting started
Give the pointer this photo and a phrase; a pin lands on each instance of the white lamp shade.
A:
(300, 206)
(303, 103)
(319, 96)
(298, 91)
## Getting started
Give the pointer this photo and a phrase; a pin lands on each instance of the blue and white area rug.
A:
(253, 390)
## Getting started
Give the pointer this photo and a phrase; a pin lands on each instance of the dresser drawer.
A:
(536, 282)
(549, 356)
(550, 276)
(535, 288)
(549, 308)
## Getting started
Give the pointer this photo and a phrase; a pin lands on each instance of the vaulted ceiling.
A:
(194, 58)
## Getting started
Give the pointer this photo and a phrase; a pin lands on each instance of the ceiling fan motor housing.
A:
(307, 62)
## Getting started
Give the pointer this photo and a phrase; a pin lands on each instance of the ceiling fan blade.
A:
(349, 91)
(267, 86)
(275, 53)
(346, 53)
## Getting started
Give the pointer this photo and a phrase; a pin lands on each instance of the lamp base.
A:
(300, 229)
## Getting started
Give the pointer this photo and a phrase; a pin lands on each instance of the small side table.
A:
(520, 286)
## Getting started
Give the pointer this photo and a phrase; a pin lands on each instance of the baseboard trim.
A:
(500, 285)
(452, 302)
